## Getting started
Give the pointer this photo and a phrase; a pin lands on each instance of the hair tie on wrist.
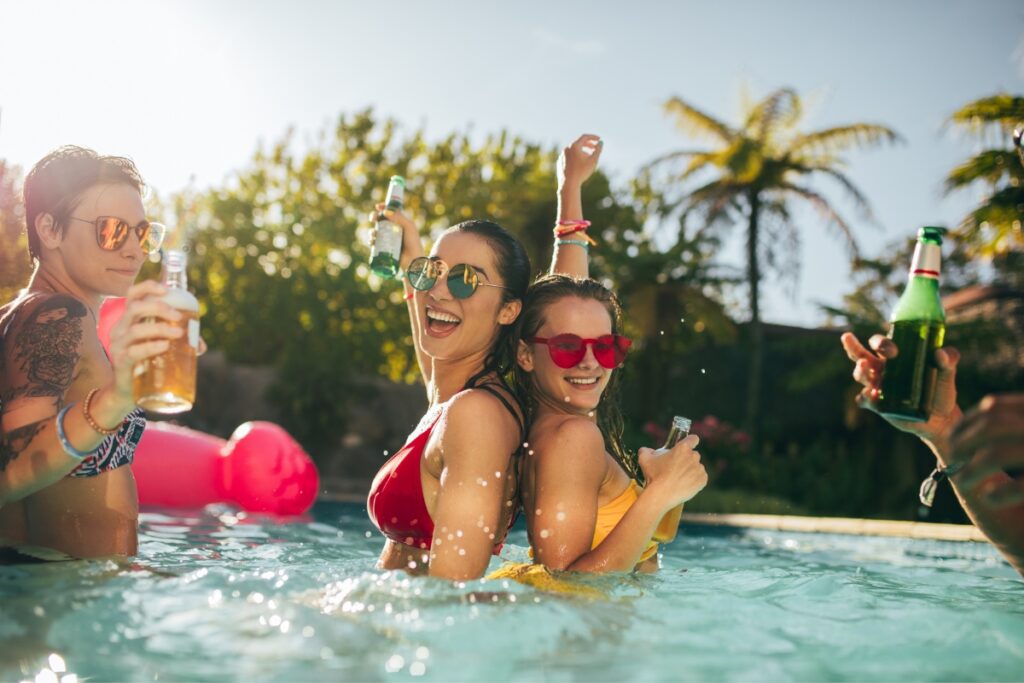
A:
(578, 243)
(63, 438)
(92, 421)
(576, 223)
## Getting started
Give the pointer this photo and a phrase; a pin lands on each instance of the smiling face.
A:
(454, 328)
(95, 270)
(577, 389)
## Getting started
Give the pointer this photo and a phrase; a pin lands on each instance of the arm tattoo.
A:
(47, 348)
(16, 441)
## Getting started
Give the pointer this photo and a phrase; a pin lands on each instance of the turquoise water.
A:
(218, 596)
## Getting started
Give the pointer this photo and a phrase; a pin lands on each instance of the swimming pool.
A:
(220, 596)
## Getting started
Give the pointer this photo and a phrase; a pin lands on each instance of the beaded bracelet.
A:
(579, 243)
(92, 421)
(63, 437)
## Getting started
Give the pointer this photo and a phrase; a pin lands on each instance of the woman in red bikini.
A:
(446, 500)
(68, 422)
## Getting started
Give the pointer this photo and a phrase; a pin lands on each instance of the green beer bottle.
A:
(386, 248)
(918, 325)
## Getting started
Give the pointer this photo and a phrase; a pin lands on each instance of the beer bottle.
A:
(386, 247)
(167, 383)
(917, 326)
(669, 524)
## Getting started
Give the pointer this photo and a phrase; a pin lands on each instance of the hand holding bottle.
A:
(869, 366)
(144, 330)
(412, 245)
(675, 475)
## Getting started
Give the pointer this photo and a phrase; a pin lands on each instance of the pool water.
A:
(219, 596)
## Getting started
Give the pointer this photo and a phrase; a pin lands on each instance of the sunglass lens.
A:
(462, 281)
(111, 233)
(420, 274)
(606, 352)
(566, 350)
(151, 236)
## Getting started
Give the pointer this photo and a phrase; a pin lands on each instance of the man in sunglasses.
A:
(68, 423)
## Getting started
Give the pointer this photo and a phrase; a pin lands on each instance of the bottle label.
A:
(387, 240)
(927, 261)
(193, 333)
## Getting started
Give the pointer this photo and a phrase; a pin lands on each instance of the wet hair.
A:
(513, 264)
(546, 291)
(58, 180)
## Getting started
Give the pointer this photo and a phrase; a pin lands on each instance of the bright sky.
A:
(188, 88)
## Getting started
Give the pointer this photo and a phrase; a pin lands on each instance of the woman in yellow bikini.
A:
(590, 505)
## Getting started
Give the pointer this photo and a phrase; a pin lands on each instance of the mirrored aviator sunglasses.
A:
(462, 278)
(112, 232)
(567, 350)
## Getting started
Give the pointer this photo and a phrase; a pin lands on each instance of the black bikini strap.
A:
(490, 389)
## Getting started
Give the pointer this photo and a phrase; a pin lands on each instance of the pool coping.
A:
(841, 525)
(822, 525)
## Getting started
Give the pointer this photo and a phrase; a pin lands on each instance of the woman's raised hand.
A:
(412, 246)
(143, 331)
(578, 161)
(676, 475)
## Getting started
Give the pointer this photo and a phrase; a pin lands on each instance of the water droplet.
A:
(662, 333)
(567, 399)
(526, 444)
(462, 551)
(308, 632)
(326, 653)
(56, 663)
(412, 564)
(537, 511)
(544, 533)
(682, 320)
(560, 516)
(386, 453)
(395, 663)
(497, 475)
(369, 534)
(531, 451)
(703, 371)
(417, 669)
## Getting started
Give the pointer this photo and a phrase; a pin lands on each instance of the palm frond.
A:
(838, 138)
(694, 122)
(860, 202)
(1003, 110)
(672, 156)
(991, 166)
(831, 215)
(781, 109)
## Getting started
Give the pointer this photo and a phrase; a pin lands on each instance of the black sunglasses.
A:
(463, 279)
(112, 232)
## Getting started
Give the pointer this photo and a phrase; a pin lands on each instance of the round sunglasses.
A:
(567, 350)
(112, 232)
(462, 278)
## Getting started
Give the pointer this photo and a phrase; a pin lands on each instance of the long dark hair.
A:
(547, 290)
(513, 266)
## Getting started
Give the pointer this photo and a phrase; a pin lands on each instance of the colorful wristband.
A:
(579, 243)
(63, 438)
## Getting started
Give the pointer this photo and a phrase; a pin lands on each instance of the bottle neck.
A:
(174, 273)
(927, 262)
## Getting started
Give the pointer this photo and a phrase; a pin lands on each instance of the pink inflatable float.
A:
(261, 468)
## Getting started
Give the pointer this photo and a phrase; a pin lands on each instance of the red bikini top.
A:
(396, 502)
(396, 505)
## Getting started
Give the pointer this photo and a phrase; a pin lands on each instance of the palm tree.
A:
(994, 227)
(756, 170)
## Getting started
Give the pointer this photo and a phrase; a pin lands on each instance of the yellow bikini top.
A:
(609, 514)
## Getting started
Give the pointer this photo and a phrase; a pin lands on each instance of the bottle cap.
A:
(682, 423)
(932, 233)
(398, 180)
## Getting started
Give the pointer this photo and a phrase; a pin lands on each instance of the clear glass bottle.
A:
(668, 527)
(386, 247)
(167, 383)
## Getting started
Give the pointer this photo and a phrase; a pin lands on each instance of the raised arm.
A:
(576, 163)
(44, 354)
(412, 248)
(478, 438)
